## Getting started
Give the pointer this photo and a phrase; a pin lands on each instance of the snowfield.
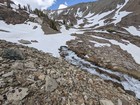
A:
(46, 43)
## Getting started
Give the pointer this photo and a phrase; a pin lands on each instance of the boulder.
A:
(50, 84)
(34, 41)
(17, 65)
(1, 58)
(24, 41)
(17, 94)
(11, 73)
(30, 66)
(13, 54)
(35, 27)
(119, 102)
(106, 102)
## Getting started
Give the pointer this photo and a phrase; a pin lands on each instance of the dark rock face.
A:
(13, 54)
(12, 17)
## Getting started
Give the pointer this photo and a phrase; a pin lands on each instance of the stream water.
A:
(129, 83)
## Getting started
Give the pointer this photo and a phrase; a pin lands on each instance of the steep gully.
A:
(128, 83)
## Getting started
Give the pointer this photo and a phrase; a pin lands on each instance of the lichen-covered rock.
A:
(13, 54)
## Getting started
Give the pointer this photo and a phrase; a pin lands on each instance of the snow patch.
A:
(119, 15)
(133, 30)
(97, 44)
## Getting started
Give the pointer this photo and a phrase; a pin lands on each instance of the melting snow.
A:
(46, 43)
(97, 44)
(79, 13)
(119, 15)
(133, 30)
(97, 19)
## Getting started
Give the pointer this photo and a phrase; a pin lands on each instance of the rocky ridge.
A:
(29, 76)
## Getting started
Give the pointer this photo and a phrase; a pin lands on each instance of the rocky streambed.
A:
(130, 84)
(32, 77)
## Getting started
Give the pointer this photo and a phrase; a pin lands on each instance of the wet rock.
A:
(35, 27)
(131, 93)
(24, 41)
(106, 102)
(50, 84)
(13, 54)
(17, 94)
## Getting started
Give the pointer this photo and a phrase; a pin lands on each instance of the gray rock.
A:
(30, 66)
(24, 41)
(13, 54)
(8, 74)
(106, 102)
(61, 81)
(50, 84)
(38, 20)
(17, 94)
(17, 66)
(1, 58)
(1, 97)
(2, 83)
(119, 102)
(34, 41)
(34, 27)
(125, 102)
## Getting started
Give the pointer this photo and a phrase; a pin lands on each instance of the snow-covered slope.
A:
(100, 14)
(46, 43)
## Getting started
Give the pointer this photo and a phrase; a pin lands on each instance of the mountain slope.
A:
(117, 13)
(99, 40)
(111, 34)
